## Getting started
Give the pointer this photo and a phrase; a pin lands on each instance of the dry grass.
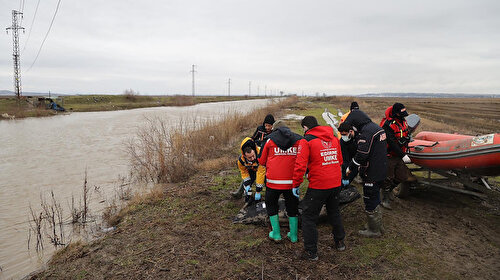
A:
(163, 154)
(183, 100)
(449, 115)
(215, 164)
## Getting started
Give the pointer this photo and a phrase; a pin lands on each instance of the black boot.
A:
(374, 223)
(386, 199)
(340, 245)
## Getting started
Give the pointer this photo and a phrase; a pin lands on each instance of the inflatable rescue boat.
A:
(478, 155)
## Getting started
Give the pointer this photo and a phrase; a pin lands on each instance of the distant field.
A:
(87, 103)
(457, 115)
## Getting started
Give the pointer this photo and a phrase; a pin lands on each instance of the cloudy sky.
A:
(336, 47)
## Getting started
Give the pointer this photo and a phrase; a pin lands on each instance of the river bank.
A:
(45, 155)
(11, 109)
(184, 230)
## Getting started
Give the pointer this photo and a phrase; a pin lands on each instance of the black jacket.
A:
(371, 154)
(260, 136)
(284, 138)
(348, 149)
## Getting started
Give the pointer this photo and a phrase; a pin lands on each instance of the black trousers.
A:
(291, 202)
(312, 204)
(371, 194)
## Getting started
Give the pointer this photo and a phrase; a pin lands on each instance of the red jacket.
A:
(278, 156)
(397, 134)
(320, 153)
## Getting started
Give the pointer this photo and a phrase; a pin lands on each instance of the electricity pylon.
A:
(15, 54)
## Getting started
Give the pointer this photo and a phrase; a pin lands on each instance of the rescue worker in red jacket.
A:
(398, 137)
(278, 156)
(320, 154)
(250, 171)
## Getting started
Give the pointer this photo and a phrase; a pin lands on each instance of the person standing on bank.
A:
(278, 156)
(349, 148)
(370, 161)
(354, 106)
(398, 138)
(319, 153)
(262, 131)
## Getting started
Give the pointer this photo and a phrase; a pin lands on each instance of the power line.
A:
(46, 35)
(32, 22)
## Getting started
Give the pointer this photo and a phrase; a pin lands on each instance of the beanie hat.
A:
(309, 121)
(277, 124)
(399, 109)
(354, 105)
(269, 119)
(345, 127)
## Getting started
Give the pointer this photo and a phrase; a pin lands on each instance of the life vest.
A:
(401, 130)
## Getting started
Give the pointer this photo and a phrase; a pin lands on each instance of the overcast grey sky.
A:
(336, 47)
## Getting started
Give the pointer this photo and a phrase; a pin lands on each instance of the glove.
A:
(406, 159)
(345, 182)
(296, 192)
(257, 196)
(248, 190)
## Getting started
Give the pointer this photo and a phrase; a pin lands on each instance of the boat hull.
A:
(478, 155)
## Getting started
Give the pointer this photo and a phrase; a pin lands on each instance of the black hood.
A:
(284, 138)
(358, 119)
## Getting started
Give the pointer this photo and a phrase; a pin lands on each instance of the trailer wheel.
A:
(402, 190)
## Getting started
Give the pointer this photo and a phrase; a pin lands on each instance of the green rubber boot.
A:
(294, 225)
(275, 223)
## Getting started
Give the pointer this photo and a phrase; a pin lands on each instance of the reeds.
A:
(164, 153)
(49, 222)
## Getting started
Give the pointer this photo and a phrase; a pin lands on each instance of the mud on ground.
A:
(188, 234)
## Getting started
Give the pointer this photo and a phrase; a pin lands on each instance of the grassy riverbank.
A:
(11, 108)
(184, 231)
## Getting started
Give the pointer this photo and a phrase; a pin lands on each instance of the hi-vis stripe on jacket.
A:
(246, 167)
(279, 162)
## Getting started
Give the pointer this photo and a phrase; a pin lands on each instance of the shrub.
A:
(162, 154)
(130, 94)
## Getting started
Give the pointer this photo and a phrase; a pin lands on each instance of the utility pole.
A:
(229, 87)
(258, 90)
(15, 54)
(265, 91)
(249, 88)
(193, 71)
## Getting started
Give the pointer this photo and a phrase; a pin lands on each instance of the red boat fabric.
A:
(477, 154)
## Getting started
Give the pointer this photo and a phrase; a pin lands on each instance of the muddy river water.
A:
(40, 155)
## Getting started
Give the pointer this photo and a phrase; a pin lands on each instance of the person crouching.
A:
(250, 171)
(278, 156)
